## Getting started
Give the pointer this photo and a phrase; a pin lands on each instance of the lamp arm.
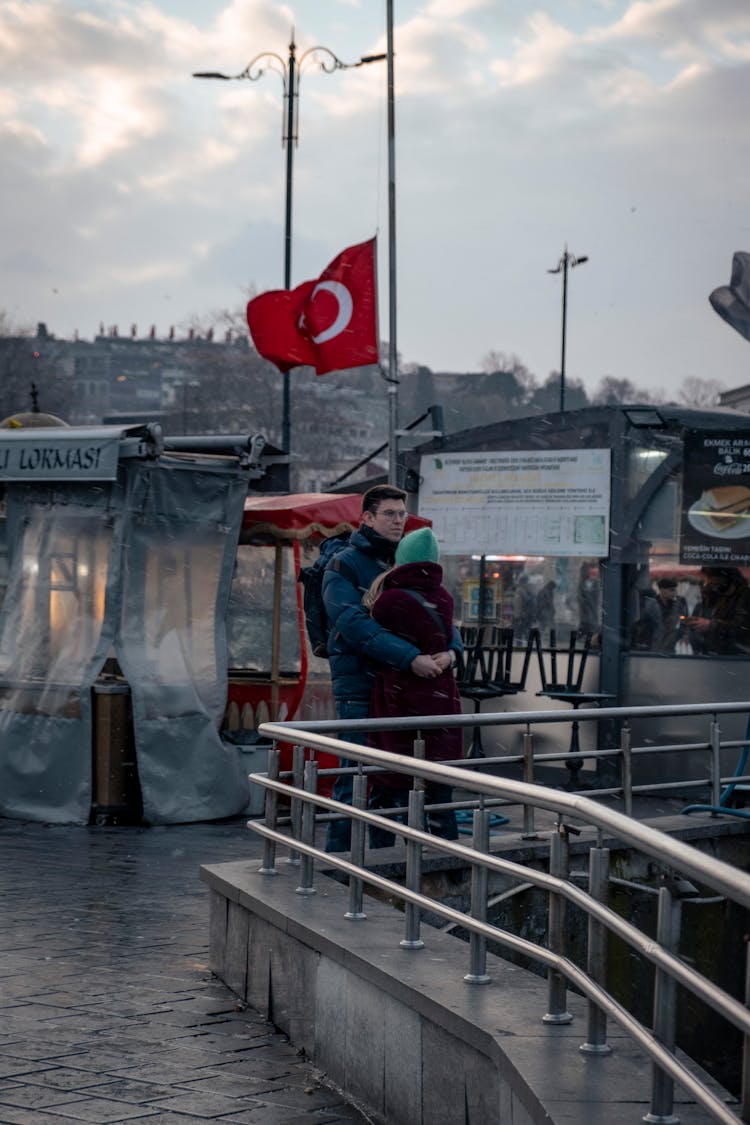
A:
(328, 63)
(253, 71)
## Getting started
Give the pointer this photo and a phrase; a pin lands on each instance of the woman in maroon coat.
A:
(411, 601)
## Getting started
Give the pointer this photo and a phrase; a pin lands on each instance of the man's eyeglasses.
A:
(392, 514)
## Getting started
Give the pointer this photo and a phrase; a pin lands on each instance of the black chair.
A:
(570, 689)
(486, 672)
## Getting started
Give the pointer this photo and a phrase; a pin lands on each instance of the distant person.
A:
(523, 607)
(720, 621)
(647, 628)
(426, 621)
(673, 614)
(355, 639)
(589, 598)
(545, 607)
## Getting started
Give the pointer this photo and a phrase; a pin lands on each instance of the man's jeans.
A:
(339, 832)
(440, 822)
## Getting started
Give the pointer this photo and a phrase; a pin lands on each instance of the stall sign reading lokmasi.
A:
(716, 499)
(67, 453)
(551, 502)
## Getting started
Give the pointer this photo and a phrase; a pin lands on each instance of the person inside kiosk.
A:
(720, 621)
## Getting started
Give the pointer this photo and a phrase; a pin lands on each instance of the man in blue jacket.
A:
(355, 640)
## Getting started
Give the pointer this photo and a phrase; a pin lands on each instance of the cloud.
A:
(138, 192)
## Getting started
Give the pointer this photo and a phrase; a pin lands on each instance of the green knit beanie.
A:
(418, 546)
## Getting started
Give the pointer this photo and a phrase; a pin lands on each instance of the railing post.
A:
(745, 1094)
(308, 830)
(715, 763)
(295, 805)
(477, 973)
(268, 866)
(596, 1039)
(529, 832)
(626, 767)
(665, 998)
(557, 986)
(412, 939)
(359, 801)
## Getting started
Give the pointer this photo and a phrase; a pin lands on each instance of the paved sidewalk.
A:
(108, 1011)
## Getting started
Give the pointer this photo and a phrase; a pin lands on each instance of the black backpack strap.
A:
(428, 609)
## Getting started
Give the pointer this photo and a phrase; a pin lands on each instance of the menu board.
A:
(550, 502)
(715, 520)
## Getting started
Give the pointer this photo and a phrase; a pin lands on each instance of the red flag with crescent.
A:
(328, 324)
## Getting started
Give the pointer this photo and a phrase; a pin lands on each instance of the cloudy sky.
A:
(132, 193)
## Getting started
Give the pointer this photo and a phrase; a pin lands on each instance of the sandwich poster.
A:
(716, 499)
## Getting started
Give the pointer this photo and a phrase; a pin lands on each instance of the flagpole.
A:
(290, 139)
(392, 348)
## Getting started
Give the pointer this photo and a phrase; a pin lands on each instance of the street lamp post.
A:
(567, 260)
(392, 345)
(290, 70)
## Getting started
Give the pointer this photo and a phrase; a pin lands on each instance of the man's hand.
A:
(426, 666)
(700, 624)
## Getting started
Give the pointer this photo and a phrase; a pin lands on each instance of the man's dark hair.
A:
(667, 583)
(378, 492)
(728, 573)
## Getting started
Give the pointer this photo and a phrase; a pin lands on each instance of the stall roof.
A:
(302, 514)
(299, 515)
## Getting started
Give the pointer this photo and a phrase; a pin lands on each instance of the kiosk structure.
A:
(119, 549)
(624, 523)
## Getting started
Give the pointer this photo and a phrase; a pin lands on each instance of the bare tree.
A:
(611, 391)
(494, 361)
(698, 392)
(228, 323)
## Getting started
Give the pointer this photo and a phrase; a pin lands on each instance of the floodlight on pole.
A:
(290, 70)
(567, 261)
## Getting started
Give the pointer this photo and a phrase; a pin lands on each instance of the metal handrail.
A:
(674, 855)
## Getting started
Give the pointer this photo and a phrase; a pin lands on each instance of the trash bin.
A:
(253, 751)
(116, 790)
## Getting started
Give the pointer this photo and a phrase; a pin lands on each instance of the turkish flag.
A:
(328, 324)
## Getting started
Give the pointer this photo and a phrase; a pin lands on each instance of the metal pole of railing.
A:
(529, 832)
(477, 973)
(356, 886)
(295, 804)
(412, 939)
(308, 830)
(418, 747)
(715, 762)
(626, 750)
(745, 1094)
(665, 1003)
(268, 865)
(559, 863)
(596, 1039)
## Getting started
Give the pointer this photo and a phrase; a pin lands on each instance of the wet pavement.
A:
(108, 1011)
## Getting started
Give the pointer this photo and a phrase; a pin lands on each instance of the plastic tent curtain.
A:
(180, 536)
(140, 567)
(53, 642)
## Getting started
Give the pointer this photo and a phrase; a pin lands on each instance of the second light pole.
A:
(567, 260)
(290, 70)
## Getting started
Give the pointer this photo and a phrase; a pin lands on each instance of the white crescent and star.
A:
(343, 314)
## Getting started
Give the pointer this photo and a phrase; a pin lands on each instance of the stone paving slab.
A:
(108, 1012)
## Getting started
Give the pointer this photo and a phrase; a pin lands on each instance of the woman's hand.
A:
(426, 666)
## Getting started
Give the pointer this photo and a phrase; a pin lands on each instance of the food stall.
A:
(119, 549)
